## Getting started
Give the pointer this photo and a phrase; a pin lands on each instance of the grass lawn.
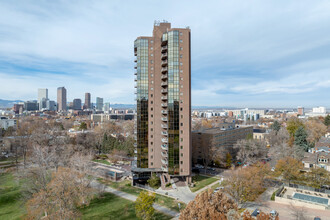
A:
(125, 186)
(102, 161)
(111, 206)
(202, 181)
(11, 207)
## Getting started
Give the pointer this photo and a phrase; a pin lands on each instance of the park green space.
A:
(201, 182)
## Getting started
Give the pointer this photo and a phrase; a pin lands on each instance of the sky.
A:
(244, 53)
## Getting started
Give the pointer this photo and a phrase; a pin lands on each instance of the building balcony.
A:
(164, 91)
(164, 118)
(164, 140)
(164, 97)
(135, 144)
(135, 60)
(164, 56)
(164, 168)
(135, 53)
(164, 133)
(163, 83)
(135, 151)
(165, 162)
(164, 154)
(164, 125)
(135, 67)
(135, 86)
(135, 79)
(164, 112)
(164, 49)
(164, 147)
(164, 104)
(164, 70)
(164, 42)
(135, 73)
(164, 76)
(164, 62)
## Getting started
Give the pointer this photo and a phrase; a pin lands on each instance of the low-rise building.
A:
(5, 123)
(226, 135)
(319, 159)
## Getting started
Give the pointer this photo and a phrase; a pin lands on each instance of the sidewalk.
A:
(207, 187)
(132, 198)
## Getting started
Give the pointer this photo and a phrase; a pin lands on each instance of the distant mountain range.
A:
(8, 103)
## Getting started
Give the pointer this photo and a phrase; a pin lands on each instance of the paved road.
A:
(130, 197)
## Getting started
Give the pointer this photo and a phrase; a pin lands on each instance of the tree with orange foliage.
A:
(289, 168)
(63, 195)
(246, 184)
(210, 206)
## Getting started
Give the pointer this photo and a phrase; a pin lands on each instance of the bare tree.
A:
(298, 213)
(250, 151)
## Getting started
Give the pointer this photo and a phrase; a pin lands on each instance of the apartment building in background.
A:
(163, 98)
(61, 99)
(224, 136)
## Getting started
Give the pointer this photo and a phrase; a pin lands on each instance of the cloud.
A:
(243, 53)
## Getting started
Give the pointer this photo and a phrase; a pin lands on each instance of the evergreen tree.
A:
(327, 120)
(300, 138)
(276, 126)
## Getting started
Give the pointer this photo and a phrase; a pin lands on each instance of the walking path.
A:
(130, 197)
(207, 187)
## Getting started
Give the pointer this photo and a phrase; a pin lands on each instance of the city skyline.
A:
(242, 55)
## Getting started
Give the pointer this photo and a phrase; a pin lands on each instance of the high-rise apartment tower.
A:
(61, 99)
(163, 128)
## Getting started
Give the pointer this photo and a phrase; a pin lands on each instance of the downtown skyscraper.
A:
(61, 99)
(42, 98)
(163, 96)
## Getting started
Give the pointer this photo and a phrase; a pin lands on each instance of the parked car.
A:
(317, 218)
(273, 213)
(255, 213)
(210, 168)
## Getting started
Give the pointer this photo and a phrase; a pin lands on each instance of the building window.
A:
(152, 163)
(151, 129)
(180, 33)
(151, 41)
(151, 88)
(152, 68)
(181, 124)
(181, 78)
(151, 48)
(181, 162)
(152, 122)
(181, 48)
(152, 55)
(181, 109)
(181, 86)
(181, 116)
(181, 147)
(181, 93)
(181, 71)
(151, 61)
(151, 143)
(152, 136)
(152, 116)
(181, 170)
(181, 64)
(181, 133)
(152, 102)
(181, 139)
(152, 157)
(181, 154)
(152, 82)
(151, 97)
(152, 150)
(181, 41)
(180, 57)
